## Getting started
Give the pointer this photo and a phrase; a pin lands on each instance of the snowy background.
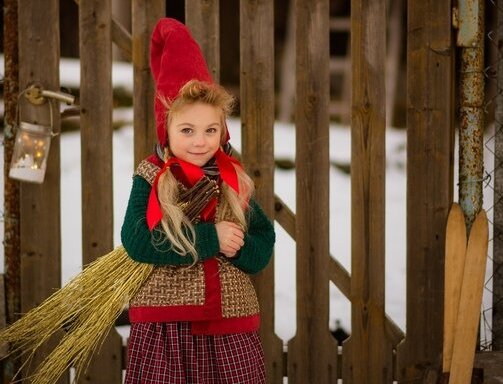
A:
(284, 148)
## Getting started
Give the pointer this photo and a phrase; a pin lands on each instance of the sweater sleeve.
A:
(258, 241)
(137, 238)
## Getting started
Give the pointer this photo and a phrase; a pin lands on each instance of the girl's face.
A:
(194, 132)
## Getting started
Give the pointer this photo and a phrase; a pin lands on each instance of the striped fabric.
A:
(162, 353)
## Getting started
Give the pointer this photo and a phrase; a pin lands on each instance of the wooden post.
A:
(95, 18)
(121, 24)
(368, 357)
(40, 203)
(312, 353)
(430, 107)
(12, 239)
(394, 56)
(257, 124)
(144, 17)
(202, 18)
(492, 364)
(287, 77)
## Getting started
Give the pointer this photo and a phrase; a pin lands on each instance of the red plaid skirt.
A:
(161, 353)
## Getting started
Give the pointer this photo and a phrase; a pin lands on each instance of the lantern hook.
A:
(37, 95)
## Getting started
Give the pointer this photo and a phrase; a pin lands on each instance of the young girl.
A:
(191, 235)
(191, 214)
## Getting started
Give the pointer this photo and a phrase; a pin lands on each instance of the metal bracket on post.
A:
(37, 95)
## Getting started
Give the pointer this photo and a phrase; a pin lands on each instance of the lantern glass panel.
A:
(31, 149)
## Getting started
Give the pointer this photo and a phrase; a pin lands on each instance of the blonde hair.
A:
(177, 227)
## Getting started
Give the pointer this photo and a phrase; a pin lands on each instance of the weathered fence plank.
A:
(284, 216)
(202, 18)
(3, 314)
(95, 18)
(122, 38)
(312, 353)
(145, 14)
(430, 82)
(40, 203)
(257, 124)
(12, 239)
(492, 364)
(370, 352)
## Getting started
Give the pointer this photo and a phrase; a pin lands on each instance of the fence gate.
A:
(378, 351)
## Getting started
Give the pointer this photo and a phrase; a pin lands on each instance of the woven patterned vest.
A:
(212, 290)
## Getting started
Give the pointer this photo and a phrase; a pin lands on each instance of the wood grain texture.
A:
(370, 351)
(95, 19)
(40, 203)
(257, 124)
(492, 364)
(312, 353)
(430, 164)
(455, 252)
(145, 14)
(470, 301)
(3, 315)
(202, 18)
(11, 203)
(122, 38)
(96, 128)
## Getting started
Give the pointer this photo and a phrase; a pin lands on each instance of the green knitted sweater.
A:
(137, 238)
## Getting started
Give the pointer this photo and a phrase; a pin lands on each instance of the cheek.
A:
(175, 144)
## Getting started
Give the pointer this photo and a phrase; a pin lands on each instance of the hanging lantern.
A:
(31, 147)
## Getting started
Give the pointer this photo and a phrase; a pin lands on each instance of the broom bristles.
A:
(89, 304)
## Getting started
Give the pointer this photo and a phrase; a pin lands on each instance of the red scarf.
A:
(192, 174)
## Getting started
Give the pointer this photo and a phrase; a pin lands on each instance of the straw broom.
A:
(88, 305)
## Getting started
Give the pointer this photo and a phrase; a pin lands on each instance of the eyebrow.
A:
(192, 125)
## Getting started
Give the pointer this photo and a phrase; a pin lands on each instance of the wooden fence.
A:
(372, 354)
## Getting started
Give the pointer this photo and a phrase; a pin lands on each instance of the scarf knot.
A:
(221, 167)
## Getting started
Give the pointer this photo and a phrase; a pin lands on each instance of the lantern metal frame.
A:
(32, 142)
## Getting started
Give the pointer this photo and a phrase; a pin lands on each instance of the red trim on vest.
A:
(213, 293)
(226, 326)
(165, 314)
(210, 310)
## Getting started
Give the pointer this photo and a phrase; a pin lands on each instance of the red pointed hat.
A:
(175, 58)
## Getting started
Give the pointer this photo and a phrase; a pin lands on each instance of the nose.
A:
(199, 140)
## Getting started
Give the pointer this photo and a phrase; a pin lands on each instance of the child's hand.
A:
(230, 237)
